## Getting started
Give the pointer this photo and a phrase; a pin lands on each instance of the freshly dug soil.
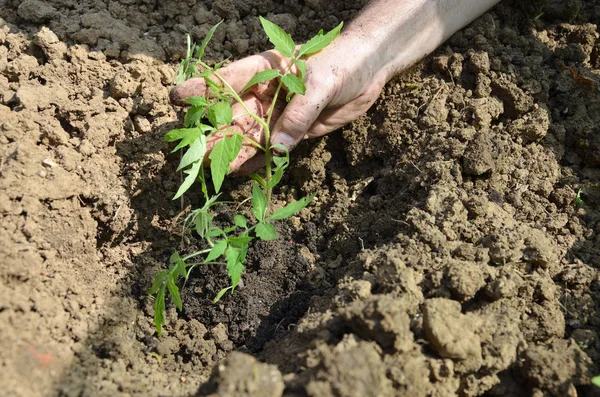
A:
(453, 248)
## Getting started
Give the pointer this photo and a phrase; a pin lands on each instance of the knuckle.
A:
(295, 119)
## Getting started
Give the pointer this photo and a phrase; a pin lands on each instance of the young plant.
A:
(212, 114)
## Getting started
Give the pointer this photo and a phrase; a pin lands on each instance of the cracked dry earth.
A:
(447, 253)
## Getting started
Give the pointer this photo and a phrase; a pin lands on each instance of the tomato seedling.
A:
(213, 114)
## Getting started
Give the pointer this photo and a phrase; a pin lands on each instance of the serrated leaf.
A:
(235, 268)
(214, 232)
(174, 292)
(209, 35)
(265, 231)
(220, 294)
(263, 76)
(259, 202)
(292, 208)
(195, 153)
(159, 310)
(230, 229)
(278, 37)
(193, 116)
(159, 279)
(301, 68)
(217, 250)
(223, 153)
(240, 241)
(240, 221)
(220, 114)
(275, 178)
(196, 101)
(319, 42)
(175, 135)
(189, 179)
(203, 222)
(293, 84)
(179, 265)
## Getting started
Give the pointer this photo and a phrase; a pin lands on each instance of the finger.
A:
(298, 116)
(331, 119)
(251, 166)
(245, 125)
(237, 75)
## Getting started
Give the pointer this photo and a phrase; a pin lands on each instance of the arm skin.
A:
(387, 37)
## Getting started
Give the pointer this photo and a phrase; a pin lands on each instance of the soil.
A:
(448, 251)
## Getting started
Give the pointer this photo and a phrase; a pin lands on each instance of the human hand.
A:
(339, 89)
(343, 80)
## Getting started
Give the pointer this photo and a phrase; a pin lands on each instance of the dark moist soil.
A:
(445, 254)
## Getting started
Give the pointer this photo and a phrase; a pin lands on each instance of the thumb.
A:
(298, 116)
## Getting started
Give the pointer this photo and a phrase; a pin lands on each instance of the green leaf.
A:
(217, 250)
(259, 202)
(174, 292)
(235, 268)
(179, 268)
(220, 294)
(214, 232)
(196, 100)
(193, 116)
(159, 280)
(189, 179)
(240, 221)
(293, 84)
(278, 37)
(319, 42)
(282, 149)
(275, 178)
(195, 153)
(596, 381)
(281, 163)
(209, 35)
(220, 114)
(240, 241)
(301, 68)
(159, 310)
(258, 179)
(260, 77)
(203, 223)
(291, 208)
(223, 153)
(265, 231)
(186, 135)
(175, 135)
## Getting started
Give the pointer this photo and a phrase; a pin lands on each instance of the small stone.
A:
(43, 173)
(142, 125)
(48, 163)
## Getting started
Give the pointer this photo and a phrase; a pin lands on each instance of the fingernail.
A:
(284, 139)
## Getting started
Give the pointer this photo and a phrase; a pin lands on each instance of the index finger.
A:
(237, 74)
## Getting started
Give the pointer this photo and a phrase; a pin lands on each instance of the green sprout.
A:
(579, 199)
(212, 114)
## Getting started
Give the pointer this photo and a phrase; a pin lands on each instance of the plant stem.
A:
(185, 258)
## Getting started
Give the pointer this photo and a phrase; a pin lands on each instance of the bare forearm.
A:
(404, 31)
